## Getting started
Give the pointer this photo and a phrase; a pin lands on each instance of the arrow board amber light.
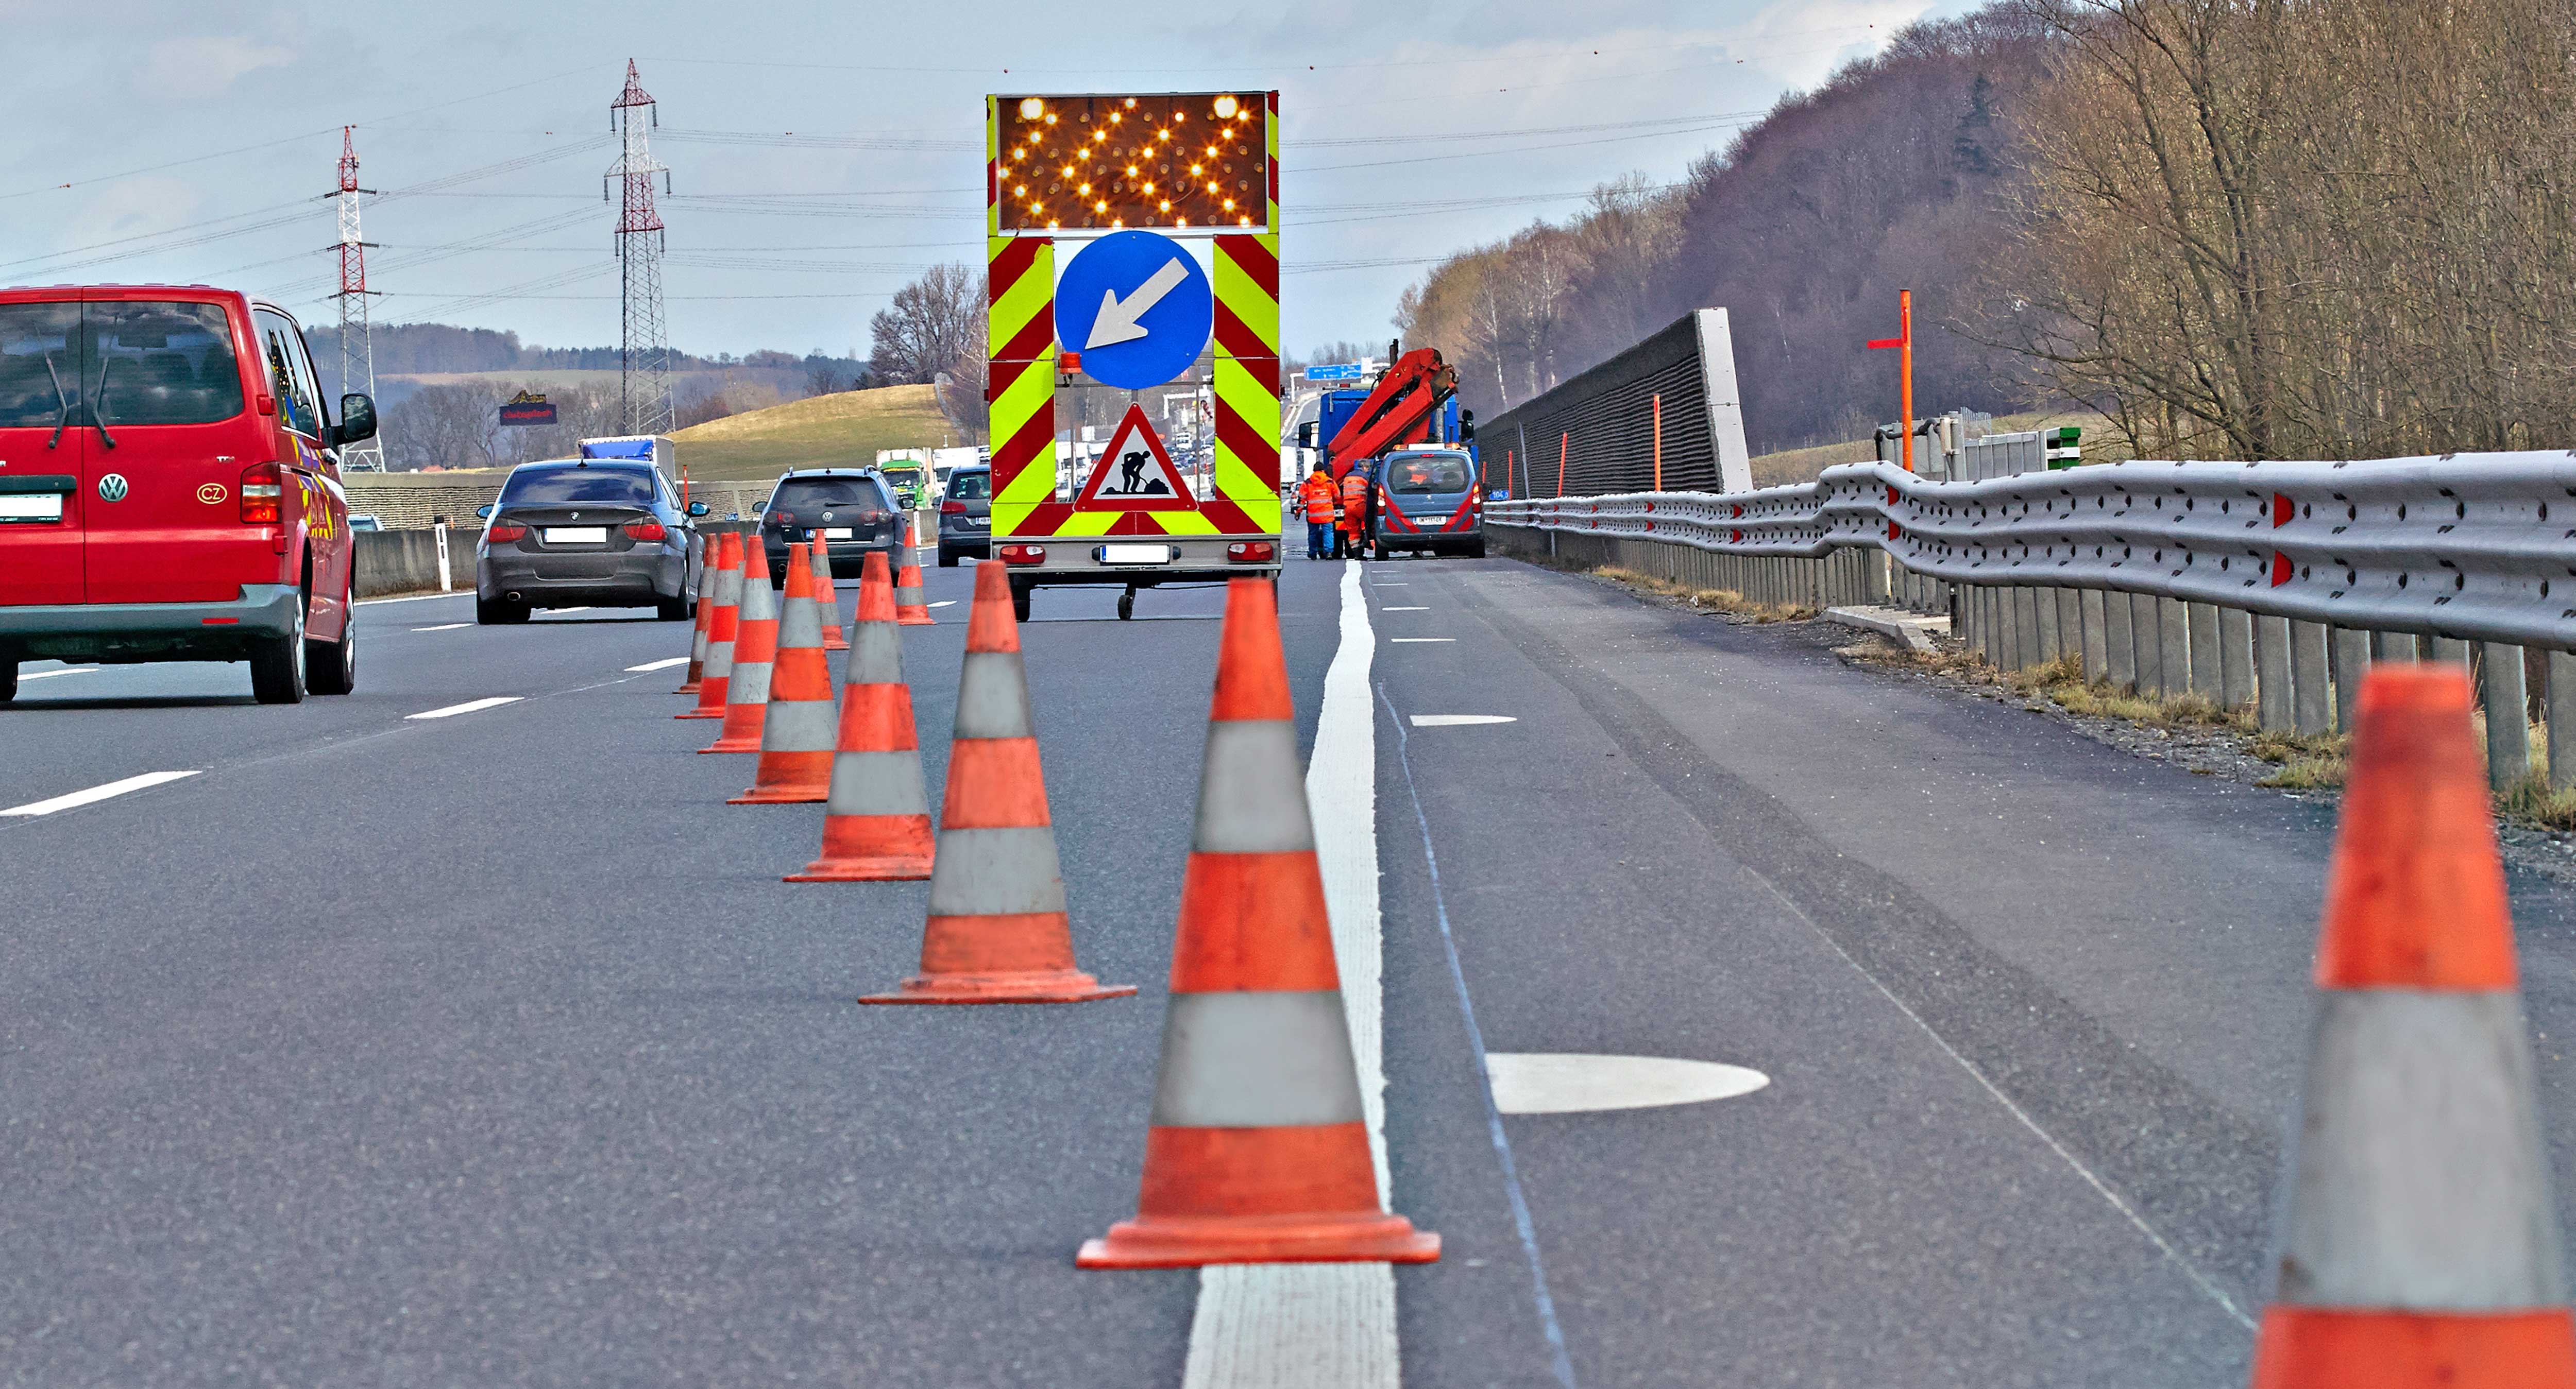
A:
(1125, 146)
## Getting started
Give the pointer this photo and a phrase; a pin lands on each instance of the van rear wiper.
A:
(63, 420)
(98, 407)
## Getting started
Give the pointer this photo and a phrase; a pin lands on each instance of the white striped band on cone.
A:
(1258, 1150)
(796, 733)
(715, 682)
(997, 930)
(2420, 1241)
(698, 629)
(755, 648)
(876, 818)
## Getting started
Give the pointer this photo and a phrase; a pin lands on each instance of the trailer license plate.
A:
(576, 535)
(41, 506)
(1135, 554)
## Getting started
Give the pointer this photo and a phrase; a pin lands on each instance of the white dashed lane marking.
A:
(95, 793)
(468, 707)
(443, 627)
(1421, 638)
(945, 603)
(664, 664)
(1573, 1083)
(1459, 720)
(67, 670)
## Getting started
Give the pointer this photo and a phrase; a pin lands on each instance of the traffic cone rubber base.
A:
(812, 772)
(1333, 1238)
(1029, 986)
(701, 714)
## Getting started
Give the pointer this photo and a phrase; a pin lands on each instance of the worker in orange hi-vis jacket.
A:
(1355, 487)
(1318, 493)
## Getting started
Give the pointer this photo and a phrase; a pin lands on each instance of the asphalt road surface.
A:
(489, 1049)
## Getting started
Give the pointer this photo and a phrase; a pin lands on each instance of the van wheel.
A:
(1477, 550)
(277, 666)
(8, 680)
(1020, 602)
(334, 666)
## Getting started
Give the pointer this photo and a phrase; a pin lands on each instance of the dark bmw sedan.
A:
(578, 532)
(850, 510)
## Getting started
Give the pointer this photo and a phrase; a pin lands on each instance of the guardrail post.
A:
(2351, 659)
(2052, 643)
(2310, 710)
(2235, 657)
(2451, 649)
(2271, 638)
(2173, 640)
(2147, 645)
(2008, 602)
(1976, 601)
(2070, 627)
(2508, 717)
(2200, 621)
(2561, 713)
(2119, 649)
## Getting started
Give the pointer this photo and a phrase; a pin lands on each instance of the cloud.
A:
(207, 65)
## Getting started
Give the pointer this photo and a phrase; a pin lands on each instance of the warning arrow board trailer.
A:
(1165, 208)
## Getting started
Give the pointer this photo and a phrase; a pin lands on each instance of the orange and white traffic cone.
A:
(755, 649)
(1258, 1150)
(723, 627)
(910, 608)
(796, 733)
(997, 931)
(2419, 1245)
(698, 627)
(876, 823)
(829, 598)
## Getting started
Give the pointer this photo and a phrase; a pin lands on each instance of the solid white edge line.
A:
(49, 674)
(416, 598)
(1459, 720)
(1324, 1326)
(468, 707)
(664, 664)
(1405, 610)
(96, 793)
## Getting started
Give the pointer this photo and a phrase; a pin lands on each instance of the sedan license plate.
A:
(42, 506)
(837, 533)
(576, 535)
(1135, 554)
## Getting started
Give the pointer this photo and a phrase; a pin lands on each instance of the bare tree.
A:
(933, 324)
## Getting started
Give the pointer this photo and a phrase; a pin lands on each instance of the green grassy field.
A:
(841, 430)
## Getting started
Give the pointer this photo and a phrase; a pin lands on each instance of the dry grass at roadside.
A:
(1724, 600)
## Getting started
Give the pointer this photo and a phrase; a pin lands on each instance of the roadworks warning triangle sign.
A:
(1134, 473)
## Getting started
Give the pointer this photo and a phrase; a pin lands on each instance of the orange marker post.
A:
(1659, 442)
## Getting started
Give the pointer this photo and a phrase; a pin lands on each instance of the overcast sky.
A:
(821, 154)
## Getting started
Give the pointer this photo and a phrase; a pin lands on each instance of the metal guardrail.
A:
(2479, 547)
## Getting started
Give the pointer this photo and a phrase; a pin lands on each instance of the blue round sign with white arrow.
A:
(1137, 307)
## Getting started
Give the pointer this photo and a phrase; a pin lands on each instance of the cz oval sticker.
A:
(211, 494)
(112, 487)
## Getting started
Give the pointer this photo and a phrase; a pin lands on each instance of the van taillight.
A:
(498, 534)
(644, 530)
(261, 488)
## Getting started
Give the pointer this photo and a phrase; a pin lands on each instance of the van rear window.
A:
(40, 370)
(546, 486)
(1419, 473)
(157, 363)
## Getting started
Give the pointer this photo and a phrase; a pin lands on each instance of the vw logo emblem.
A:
(576, 516)
(112, 487)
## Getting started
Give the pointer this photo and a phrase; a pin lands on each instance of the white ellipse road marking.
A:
(664, 664)
(1404, 610)
(468, 707)
(443, 627)
(1459, 720)
(67, 670)
(95, 793)
(1574, 1083)
(945, 603)
(1422, 639)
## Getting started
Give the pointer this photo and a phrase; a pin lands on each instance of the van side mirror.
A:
(1466, 426)
(357, 419)
(1306, 435)
(484, 511)
(698, 508)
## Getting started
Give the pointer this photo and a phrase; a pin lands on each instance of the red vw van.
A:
(169, 487)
